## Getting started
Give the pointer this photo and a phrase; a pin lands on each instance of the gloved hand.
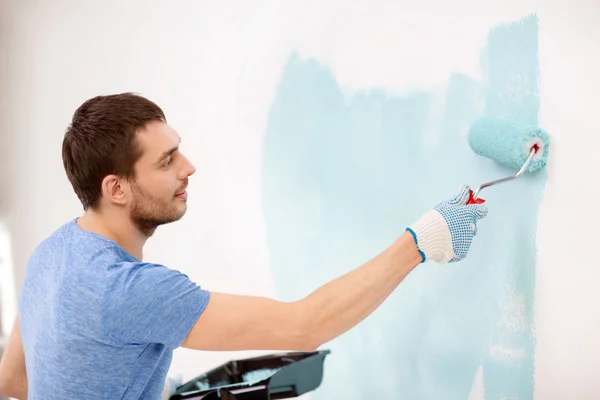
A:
(444, 234)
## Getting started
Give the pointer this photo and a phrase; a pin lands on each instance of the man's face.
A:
(158, 192)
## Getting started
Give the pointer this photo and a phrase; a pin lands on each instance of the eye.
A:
(167, 162)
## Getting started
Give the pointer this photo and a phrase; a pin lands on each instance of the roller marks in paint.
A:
(343, 177)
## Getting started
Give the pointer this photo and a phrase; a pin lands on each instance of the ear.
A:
(113, 190)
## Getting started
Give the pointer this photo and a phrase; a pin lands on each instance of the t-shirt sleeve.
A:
(150, 303)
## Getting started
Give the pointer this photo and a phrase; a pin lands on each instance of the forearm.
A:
(13, 373)
(15, 388)
(13, 378)
(344, 302)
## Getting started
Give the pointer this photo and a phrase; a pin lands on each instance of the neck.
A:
(118, 228)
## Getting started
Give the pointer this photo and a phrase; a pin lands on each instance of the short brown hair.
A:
(101, 140)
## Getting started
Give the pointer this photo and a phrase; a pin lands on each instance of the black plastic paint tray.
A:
(270, 377)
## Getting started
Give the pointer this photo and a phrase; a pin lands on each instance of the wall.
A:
(4, 59)
(319, 131)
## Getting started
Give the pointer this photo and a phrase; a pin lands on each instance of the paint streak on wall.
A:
(344, 176)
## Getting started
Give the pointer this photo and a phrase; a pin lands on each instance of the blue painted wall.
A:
(342, 179)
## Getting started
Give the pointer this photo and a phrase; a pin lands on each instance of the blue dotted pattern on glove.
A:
(462, 221)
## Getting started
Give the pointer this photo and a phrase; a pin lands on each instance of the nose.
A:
(188, 168)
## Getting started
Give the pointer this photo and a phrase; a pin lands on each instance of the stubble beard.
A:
(149, 213)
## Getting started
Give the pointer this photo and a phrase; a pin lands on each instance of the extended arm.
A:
(232, 322)
(13, 375)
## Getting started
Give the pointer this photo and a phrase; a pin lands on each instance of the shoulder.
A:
(145, 283)
(70, 238)
(135, 273)
(148, 302)
(54, 240)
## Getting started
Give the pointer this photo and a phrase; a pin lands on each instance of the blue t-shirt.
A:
(98, 324)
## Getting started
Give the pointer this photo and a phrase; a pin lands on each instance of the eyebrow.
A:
(167, 153)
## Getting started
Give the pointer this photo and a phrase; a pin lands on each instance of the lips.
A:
(182, 194)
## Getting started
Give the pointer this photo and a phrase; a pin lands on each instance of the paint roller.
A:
(509, 144)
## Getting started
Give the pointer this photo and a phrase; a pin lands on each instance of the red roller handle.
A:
(474, 201)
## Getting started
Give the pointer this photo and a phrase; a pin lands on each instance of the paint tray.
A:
(269, 377)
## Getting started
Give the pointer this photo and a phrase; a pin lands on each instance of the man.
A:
(96, 321)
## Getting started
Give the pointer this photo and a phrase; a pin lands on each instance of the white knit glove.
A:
(444, 234)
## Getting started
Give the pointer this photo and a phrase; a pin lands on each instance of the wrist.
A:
(408, 250)
(415, 241)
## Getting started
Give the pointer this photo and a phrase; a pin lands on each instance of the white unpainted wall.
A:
(213, 66)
